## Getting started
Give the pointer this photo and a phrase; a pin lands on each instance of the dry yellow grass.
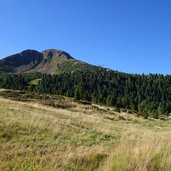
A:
(83, 137)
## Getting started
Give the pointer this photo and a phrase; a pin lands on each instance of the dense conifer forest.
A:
(149, 95)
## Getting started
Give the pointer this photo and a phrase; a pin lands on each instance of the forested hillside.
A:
(150, 95)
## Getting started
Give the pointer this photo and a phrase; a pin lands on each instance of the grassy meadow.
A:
(41, 132)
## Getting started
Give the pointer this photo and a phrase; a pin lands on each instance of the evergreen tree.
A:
(76, 94)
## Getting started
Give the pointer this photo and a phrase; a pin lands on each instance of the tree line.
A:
(149, 95)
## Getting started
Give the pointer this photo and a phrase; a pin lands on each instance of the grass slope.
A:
(42, 132)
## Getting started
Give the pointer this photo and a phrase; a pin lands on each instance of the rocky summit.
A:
(50, 61)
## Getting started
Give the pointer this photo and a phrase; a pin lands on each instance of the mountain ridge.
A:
(50, 61)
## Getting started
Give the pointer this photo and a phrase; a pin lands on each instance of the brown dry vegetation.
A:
(43, 132)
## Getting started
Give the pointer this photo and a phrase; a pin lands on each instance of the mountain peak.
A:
(50, 61)
(23, 61)
(56, 53)
(29, 52)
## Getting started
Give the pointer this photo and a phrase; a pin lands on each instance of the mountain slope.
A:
(21, 62)
(45, 132)
(49, 61)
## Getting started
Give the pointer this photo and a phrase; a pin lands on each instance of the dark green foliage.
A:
(18, 81)
(150, 95)
(76, 94)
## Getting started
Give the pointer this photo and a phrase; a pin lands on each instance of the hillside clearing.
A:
(45, 132)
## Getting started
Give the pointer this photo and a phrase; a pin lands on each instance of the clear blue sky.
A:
(132, 36)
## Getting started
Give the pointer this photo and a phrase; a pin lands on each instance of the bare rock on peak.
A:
(56, 53)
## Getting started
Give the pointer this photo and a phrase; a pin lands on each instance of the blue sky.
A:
(132, 36)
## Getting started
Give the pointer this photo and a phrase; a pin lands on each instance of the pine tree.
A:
(76, 94)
